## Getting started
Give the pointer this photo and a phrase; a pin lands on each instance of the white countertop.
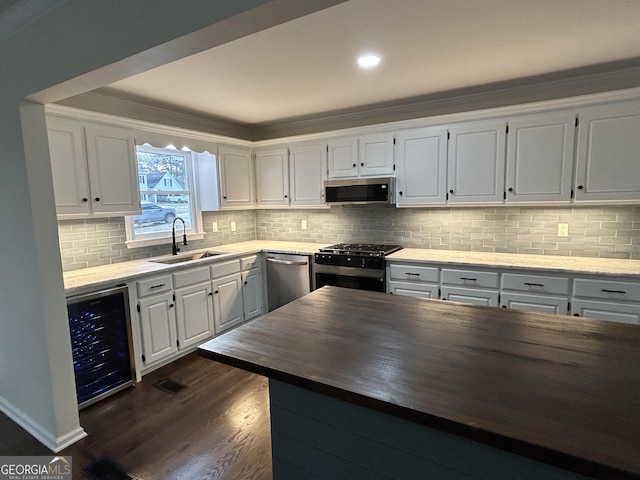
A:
(512, 261)
(91, 279)
(95, 278)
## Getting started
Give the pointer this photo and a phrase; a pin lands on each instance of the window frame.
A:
(196, 231)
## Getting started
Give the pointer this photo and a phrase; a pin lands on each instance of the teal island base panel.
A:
(315, 436)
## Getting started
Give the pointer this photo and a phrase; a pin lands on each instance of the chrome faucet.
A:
(174, 245)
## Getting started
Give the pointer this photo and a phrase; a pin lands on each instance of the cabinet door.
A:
(227, 302)
(421, 290)
(272, 168)
(421, 166)
(236, 177)
(613, 312)
(535, 303)
(375, 154)
(540, 158)
(476, 162)
(608, 158)
(113, 170)
(252, 298)
(343, 158)
(470, 295)
(307, 173)
(194, 314)
(158, 325)
(69, 166)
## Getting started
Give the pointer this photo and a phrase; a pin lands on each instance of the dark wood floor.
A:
(216, 428)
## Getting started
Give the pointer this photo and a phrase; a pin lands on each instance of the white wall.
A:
(78, 46)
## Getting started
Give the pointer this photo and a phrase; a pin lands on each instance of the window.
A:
(167, 192)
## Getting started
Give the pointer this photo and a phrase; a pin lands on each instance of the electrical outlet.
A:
(563, 229)
(304, 225)
(214, 226)
(233, 226)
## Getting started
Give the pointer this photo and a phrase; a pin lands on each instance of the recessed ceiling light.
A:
(368, 61)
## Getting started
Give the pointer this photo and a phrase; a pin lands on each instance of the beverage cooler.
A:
(100, 327)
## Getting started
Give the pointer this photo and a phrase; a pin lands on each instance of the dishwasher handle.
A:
(285, 262)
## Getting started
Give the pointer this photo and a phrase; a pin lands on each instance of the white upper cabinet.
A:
(113, 169)
(94, 169)
(476, 162)
(608, 157)
(375, 154)
(236, 177)
(69, 166)
(367, 155)
(421, 162)
(272, 172)
(307, 173)
(343, 157)
(540, 158)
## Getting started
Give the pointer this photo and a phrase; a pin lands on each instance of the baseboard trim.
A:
(52, 442)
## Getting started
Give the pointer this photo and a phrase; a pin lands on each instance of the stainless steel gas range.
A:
(353, 265)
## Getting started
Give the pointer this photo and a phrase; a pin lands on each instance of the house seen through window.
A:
(166, 179)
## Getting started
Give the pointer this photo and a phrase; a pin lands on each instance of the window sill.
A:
(161, 241)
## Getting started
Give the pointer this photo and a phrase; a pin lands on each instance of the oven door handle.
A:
(285, 262)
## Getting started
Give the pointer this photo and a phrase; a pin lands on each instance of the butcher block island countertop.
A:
(561, 390)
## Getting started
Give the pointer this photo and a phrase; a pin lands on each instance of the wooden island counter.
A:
(366, 385)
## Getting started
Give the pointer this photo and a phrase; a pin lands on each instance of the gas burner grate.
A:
(362, 248)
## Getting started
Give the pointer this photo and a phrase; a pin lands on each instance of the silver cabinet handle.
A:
(285, 262)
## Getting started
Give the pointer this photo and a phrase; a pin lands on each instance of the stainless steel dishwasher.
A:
(288, 278)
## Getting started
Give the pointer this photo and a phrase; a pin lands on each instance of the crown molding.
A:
(484, 102)
(104, 101)
(555, 88)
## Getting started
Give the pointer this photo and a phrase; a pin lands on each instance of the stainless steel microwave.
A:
(359, 191)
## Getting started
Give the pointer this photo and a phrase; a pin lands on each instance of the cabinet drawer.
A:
(225, 268)
(249, 262)
(470, 278)
(154, 285)
(421, 290)
(535, 303)
(413, 273)
(606, 289)
(191, 277)
(477, 296)
(611, 311)
(535, 283)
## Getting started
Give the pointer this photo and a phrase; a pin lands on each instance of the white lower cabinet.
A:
(470, 286)
(156, 309)
(535, 293)
(476, 296)
(179, 311)
(613, 300)
(535, 303)
(226, 283)
(413, 280)
(158, 325)
(175, 313)
(194, 314)
(600, 298)
(227, 302)
(252, 287)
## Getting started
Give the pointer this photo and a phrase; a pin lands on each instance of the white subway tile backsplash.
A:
(611, 232)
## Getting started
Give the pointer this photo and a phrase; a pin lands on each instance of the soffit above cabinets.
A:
(307, 67)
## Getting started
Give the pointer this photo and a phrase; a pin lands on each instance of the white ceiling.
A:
(308, 66)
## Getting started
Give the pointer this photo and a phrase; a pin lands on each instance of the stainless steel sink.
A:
(187, 257)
